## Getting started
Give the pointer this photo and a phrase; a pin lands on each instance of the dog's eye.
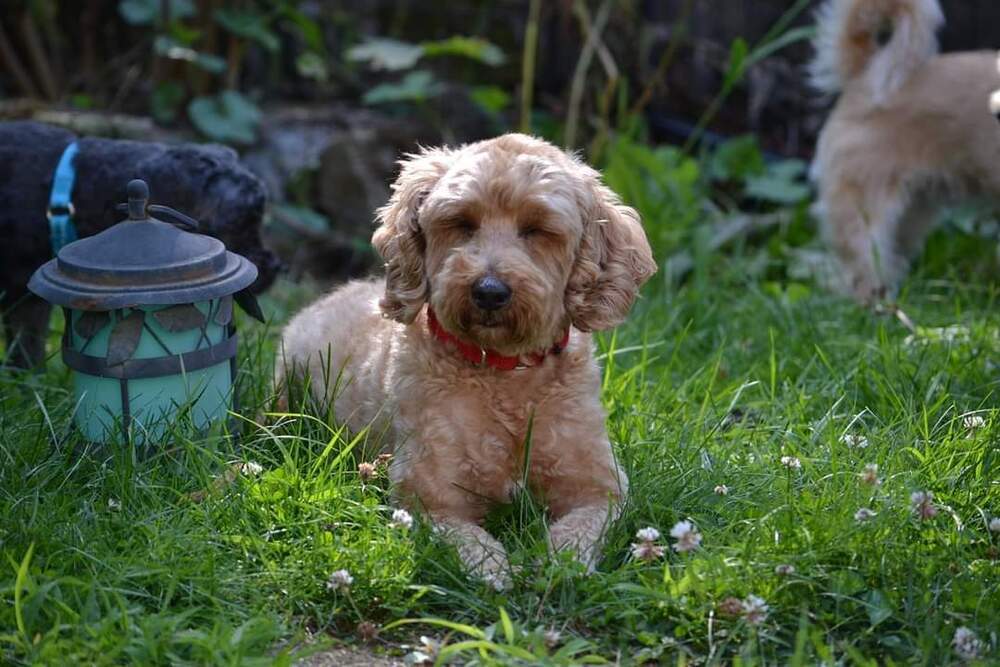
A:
(464, 226)
(529, 232)
(884, 34)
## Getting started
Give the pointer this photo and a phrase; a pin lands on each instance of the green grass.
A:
(105, 559)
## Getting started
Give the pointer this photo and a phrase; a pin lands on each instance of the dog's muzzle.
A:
(490, 293)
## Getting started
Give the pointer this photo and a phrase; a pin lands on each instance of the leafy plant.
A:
(418, 86)
(394, 55)
(228, 116)
(219, 110)
(779, 182)
(250, 25)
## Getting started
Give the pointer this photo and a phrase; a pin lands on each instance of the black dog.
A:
(205, 182)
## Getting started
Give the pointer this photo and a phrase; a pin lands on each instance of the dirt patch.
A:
(349, 657)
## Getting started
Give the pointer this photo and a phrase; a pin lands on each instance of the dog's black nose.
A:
(490, 293)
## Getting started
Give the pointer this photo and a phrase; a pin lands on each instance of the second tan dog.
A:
(500, 257)
(911, 131)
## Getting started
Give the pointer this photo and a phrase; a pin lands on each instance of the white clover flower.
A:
(339, 580)
(721, 490)
(784, 570)
(791, 462)
(366, 471)
(995, 524)
(864, 515)
(401, 519)
(250, 468)
(552, 638)
(647, 551)
(431, 646)
(648, 534)
(646, 548)
(754, 610)
(687, 536)
(922, 504)
(731, 607)
(870, 475)
(854, 441)
(425, 655)
(966, 644)
(973, 422)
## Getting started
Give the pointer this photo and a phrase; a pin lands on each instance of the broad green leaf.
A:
(777, 190)
(227, 117)
(491, 99)
(249, 25)
(782, 183)
(387, 54)
(474, 48)
(170, 48)
(416, 86)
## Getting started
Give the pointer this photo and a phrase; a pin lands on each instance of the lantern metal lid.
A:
(142, 261)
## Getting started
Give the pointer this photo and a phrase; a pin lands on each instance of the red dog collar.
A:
(479, 356)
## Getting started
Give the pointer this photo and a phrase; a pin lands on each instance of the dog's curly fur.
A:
(205, 181)
(910, 132)
(574, 256)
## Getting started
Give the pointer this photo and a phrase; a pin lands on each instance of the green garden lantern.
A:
(149, 329)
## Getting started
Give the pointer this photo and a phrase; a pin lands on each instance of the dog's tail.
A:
(879, 43)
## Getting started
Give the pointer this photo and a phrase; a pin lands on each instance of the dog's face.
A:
(509, 240)
(869, 29)
(233, 212)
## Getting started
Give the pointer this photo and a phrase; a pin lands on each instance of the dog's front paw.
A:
(481, 554)
(580, 532)
(867, 289)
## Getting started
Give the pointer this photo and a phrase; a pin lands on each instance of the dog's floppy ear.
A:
(399, 238)
(613, 262)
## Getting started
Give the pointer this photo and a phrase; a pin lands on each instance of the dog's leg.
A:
(434, 481)
(916, 224)
(581, 531)
(583, 488)
(861, 226)
(481, 553)
(26, 325)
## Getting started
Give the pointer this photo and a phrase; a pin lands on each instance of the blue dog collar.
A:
(61, 212)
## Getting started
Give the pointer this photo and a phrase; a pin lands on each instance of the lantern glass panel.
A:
(154, 403)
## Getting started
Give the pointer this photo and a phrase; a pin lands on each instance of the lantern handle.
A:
(175, 218)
